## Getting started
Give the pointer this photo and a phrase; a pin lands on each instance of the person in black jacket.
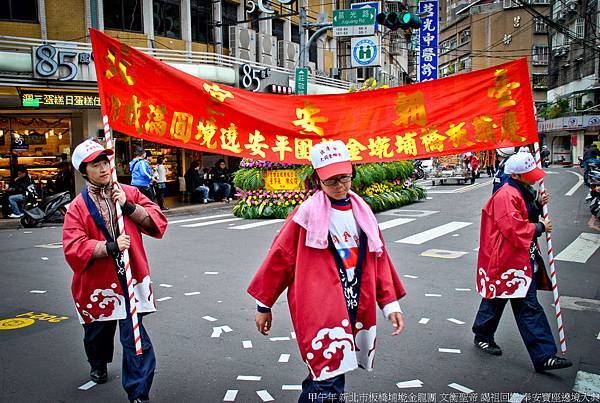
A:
(221, 181)
(18, 189)
(194, 182)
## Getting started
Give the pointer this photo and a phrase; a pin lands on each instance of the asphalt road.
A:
(214, 263)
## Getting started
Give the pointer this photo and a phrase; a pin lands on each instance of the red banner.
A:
(146, 98)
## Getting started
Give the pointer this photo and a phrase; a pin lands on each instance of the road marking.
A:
(284, 358)
(433, 233)
(249, 378)
(208, 217)
(474, 186)
(15, 323)
(217, 331)
(163, 299)
(449, 350)
(293, 335)
(264, 395)
(258, 224)
(433, 295)
(284, 338)
(462, 289)
(394, 223)
(581, 249)
(587, 383)
(458, 322)
(211, 273)
(577, 185)
(460, 388)
(247, 343)
(415, 383)
(230, 395)
(87, 385)
(44, 258)
(443, 254)
(203, 224)
(38, 291)
(291, 387)
(580, 304)
(165, 285)
(410, 276)
(424, 321)
(402, 212)
(55, 245)
(187, 294)
(209, 318)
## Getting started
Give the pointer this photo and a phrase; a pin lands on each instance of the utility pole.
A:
(303, 23)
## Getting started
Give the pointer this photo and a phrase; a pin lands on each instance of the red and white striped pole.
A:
(128, 277)
(555, 293)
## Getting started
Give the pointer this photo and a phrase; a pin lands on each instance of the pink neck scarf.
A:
(313, 215)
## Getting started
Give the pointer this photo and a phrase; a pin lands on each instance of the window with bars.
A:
(539, 26)
(540, 81)
(465, 36)
(167, 18)
(540, 55)
(123, 15)
(19, 10)
(202, 21)
(579, 28)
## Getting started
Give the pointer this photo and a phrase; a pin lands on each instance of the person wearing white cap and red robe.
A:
(510, 265)
(93, 249)
(330, 256)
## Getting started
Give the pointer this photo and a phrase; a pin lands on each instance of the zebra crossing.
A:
(579, 250)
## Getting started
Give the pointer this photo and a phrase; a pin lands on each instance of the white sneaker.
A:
(15, 216)
(205, 201)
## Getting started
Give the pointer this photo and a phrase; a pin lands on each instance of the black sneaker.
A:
(99, 375)
(489, 347)
(553, 363)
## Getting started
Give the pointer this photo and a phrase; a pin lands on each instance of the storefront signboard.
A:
(54, 99)
(62, 64)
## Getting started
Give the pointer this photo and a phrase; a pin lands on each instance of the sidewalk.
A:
(176, 208)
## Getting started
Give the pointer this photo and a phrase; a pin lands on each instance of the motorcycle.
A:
(594, 184)
(419, 173)
(51, 208)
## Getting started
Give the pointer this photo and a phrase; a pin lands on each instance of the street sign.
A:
(366, 51)
(373, 4)
(358, 22)
(301, 80)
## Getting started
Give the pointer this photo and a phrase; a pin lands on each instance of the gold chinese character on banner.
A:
(282, 145)
(484, 129)
(502, 90)
(379, 147)
(206, 132)
(355, 147)
(181, 126)
(115, 107)
(432, 140)
(117, 69)
(458, 135)
(407, 144)
(410, 109)
(308, 120)
(256, 144)
(510, 127)
(229, 139)
(156, 123)
(302, 148)
(133, 112)
(217, 93)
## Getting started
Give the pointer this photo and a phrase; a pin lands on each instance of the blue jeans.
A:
(14, 201)
(203, 189)
(531, 321)
(329, 390)
(224, 187)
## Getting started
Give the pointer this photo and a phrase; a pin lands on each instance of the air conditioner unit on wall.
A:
(287, 54)
(242, 43)
(267, 49)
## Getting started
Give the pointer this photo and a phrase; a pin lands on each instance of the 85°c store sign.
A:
(62, 64)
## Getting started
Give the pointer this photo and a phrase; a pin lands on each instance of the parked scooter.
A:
(51, 209)
(594, 184)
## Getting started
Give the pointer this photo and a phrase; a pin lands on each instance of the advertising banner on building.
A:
(148, 99)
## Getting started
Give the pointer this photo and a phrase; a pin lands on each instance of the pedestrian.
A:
(474, 166)
(17, 190)
(511, 267)
(141, 173)
(500, 178)
(195, 182)
(160, 176)
(331, 257)
(222, 181)
(63, 181)
(93, 249)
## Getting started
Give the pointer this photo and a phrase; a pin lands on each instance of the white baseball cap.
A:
(330, 159)
(523, 163)
(505, 151)
(88, 151)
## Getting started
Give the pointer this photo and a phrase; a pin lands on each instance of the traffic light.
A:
(399, 20)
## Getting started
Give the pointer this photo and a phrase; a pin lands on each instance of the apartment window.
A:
(452, 43)
(229, 19)
(465, 36)
(540, 55)
(539, 26)
(123, 15)
(19, 10)
(277, 29)
(464, 64)
(579, 28)
(167, 18)
(540, 81)
(295, 33)
(445, 48)
(202, 21)
(540, 1)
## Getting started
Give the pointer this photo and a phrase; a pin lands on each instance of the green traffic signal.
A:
(403, 20)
